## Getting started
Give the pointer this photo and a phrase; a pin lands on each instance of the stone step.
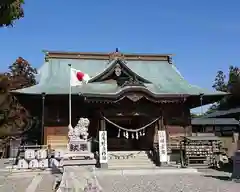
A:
(131, 166)
(148, 161)
(84, 154)
(79, 162)
(137, 157)
(129, 161)
(123, 152)
(126, 156)
(127, 164)
(126, 153)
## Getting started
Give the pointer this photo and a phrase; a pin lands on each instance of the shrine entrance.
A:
(133, 133)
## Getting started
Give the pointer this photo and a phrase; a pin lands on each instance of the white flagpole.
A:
(70, 97)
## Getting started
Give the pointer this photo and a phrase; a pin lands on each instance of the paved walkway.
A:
(79, 179)
(210, 181)
(26, 182)
(205, 182)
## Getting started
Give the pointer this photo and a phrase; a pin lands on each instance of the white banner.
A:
(103, 147)
(162, 144)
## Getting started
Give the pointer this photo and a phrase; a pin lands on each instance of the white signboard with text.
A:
(236, 165)
(162, 144)
(103, 156)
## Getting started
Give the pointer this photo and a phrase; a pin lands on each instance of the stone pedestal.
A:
(79, 148)
(79, 154)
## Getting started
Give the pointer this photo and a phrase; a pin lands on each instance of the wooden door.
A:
(57, 137)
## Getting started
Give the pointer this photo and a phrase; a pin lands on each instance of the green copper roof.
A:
(164, 78)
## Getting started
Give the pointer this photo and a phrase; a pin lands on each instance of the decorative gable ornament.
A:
(132, 81)
(135, 97)
(118, 70)
(116, 55)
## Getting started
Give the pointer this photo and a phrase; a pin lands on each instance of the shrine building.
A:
(131, 96)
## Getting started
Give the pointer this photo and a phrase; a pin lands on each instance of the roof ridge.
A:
(106, 55)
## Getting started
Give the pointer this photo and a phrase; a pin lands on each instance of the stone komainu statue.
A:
(78, 135)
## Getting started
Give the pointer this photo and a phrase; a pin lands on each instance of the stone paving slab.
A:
(26, 182)
(216, 182)
(47, 184)
(77, 178)
(14, 185)
(205, 181)
(147, 171)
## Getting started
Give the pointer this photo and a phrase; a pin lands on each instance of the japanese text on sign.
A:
(162, 142)
(103, 146)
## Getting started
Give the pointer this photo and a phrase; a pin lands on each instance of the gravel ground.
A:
(170, 183)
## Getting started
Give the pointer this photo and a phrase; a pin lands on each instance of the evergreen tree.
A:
(231, 85)
(10, 10)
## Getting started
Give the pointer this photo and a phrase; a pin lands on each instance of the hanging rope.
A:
(131, 130)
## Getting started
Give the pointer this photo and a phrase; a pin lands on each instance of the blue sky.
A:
(204, 35)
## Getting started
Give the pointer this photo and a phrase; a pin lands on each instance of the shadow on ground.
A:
(222, 178)
(58, 174)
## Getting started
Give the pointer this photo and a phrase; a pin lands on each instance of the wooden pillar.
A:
(103, 149)
(43, 118)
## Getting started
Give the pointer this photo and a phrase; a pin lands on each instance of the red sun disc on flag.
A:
(80, 76)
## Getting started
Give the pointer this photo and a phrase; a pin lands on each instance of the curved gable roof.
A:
(110, 69)
(55, 75)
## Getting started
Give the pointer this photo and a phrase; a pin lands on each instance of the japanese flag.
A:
(77, 77)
